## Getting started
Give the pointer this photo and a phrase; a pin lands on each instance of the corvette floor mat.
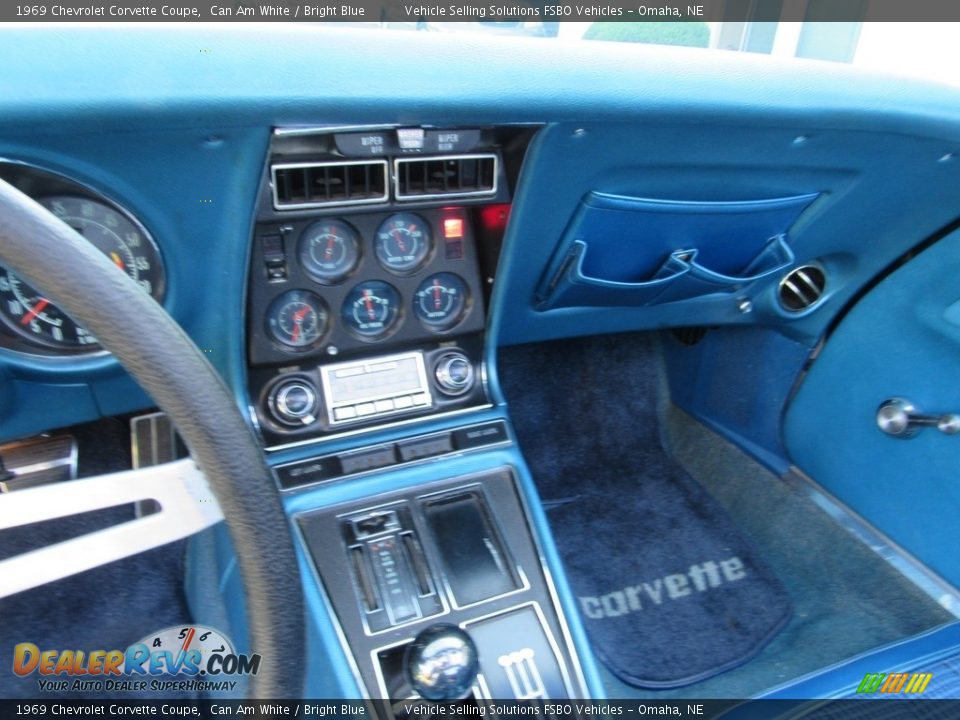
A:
(669, 591)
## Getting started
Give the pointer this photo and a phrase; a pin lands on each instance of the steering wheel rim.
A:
(167, 364)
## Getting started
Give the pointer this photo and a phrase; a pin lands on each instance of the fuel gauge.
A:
(329, 251)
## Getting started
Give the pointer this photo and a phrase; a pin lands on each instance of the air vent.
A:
(446, 176)
(802, 288)
(323, 184)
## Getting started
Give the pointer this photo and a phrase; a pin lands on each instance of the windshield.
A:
(920, 49)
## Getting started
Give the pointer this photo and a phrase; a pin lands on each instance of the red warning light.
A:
(494, 217)
(452, 228)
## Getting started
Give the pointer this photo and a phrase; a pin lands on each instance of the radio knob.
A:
(294, 402)
(454, 373)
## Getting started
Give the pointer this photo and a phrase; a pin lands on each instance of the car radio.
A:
(375, 387)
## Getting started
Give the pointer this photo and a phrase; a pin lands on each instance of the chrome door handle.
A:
(898, 417)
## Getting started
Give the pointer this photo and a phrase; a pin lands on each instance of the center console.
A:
(458, 552)
(373, 255)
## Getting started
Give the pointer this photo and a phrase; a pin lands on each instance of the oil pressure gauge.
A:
(371, 310)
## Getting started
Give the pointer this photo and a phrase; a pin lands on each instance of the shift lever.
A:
(441, 663)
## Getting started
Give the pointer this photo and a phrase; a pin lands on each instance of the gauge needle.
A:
(436, 294)
(329, 251)
(369, 303)
(399, 238)
(36, 310)
(187, 640)
(298, 322)
(117, 261)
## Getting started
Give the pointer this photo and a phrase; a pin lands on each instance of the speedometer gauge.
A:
(117, 235)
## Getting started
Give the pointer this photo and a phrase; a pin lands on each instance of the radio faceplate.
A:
(375, 387)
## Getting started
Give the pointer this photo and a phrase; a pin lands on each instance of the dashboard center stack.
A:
(372, 256)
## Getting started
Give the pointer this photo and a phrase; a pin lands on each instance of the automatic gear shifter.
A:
(441, 663)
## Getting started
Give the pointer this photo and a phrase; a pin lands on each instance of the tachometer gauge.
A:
(371, 309)
(329, 251)
(297, 319)
(441, 301)
(403, 243)
(114, 233)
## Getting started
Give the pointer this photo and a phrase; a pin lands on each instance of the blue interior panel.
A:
(625, 251)
(898, 341)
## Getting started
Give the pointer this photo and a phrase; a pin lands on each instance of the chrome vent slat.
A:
(327, 184)
(447, 176)
(802, 288)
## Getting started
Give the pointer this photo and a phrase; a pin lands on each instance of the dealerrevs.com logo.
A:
(181, 658)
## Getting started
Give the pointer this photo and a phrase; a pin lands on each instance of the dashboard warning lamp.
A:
(452, 228)
(494, 217)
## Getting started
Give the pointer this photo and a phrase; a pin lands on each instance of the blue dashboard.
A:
(175, 126)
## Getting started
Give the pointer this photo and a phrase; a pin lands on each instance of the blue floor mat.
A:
(669, 591)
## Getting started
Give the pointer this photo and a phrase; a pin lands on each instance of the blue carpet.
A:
(669, 591)
(109, 607)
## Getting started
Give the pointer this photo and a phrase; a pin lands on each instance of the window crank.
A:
(899, 418)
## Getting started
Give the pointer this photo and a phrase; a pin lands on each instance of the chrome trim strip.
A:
(280, 207)
(934, 586)
(323, 129)
(444, 196)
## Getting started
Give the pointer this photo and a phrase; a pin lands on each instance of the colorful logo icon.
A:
(895, 683)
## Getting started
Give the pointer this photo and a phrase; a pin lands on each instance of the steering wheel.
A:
(49, 255)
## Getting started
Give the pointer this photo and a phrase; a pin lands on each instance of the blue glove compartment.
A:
(624, 251)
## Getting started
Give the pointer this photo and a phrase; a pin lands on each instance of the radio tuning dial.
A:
(294, 402)
(454, 373)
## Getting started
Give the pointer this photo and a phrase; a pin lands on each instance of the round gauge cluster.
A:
(441, 301)
(117, 235)
(331, 250)
(403, 243)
